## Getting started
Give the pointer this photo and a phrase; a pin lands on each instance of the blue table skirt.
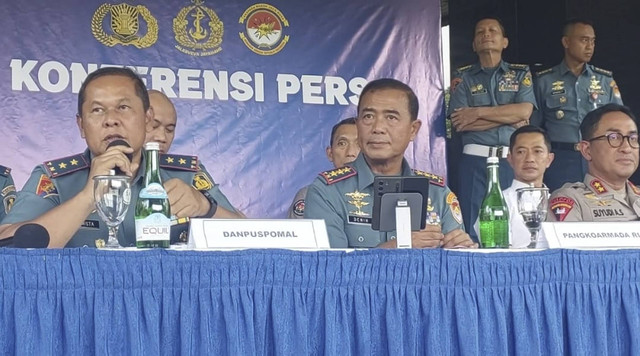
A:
(264, 302)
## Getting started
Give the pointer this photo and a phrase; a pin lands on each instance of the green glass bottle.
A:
(153, 213)
(494, 213)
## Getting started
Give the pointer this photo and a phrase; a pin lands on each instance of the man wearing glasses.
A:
(610, 147)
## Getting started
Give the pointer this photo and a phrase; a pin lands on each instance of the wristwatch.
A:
(212, 209)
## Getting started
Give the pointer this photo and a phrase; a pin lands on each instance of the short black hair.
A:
(568, 25)
(140, 88)
(347, 121)
(529, 129)
(388, 83)
(592, 119)
(491, 17)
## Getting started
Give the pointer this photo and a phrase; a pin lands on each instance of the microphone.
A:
(117, 170)
(28, 236)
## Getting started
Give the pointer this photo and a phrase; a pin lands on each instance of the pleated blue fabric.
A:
(278, 302)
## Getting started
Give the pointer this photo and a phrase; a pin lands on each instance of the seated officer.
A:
(343, 148)
(610, 147)
(387, 122)
(7, 191)
(113, 104)
(162, 127)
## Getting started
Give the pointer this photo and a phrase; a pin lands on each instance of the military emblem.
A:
(527, 80)
(614, 87)
(561, 206)
(433, 218)
(124, 25)
(563, 99)
(298, 207)
(9, 197)
(454, 83)
(198, 30)
(264, 29)
(356, 199)
(478, 89)
(429, 206)
(559, 114)
(454, 205)
(597, 186)
(201, 181)
(557, 87)
(45, 187)
(595, 87)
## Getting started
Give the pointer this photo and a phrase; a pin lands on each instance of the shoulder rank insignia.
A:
(518, 66)
(4, 171)
(66, 165)
(338, 174)
(434, 179)
(464, 68)
(543, 72)
(597, 186)
(180, 162)
(602, 71)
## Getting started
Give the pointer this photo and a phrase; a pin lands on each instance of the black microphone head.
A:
(120, 142)
(31, 236)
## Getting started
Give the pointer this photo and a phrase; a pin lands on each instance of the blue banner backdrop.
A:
(257, 86)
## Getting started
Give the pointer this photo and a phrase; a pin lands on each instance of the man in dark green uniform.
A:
(343, 197)
(7, 191)
(113, 104)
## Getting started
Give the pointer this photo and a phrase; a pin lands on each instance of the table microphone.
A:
(117, 169)
(28, 236)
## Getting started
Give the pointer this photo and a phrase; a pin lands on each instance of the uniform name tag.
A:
(91, 224)
(592, 234)
(359, 220)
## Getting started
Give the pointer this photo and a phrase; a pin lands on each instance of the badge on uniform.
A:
(598, 186)
(45, 187)
(298, 207)
(201, 181)
(8, 197)
(454, 205)
(527, 80)
(559, 114)
(595, 86)
(557, 88)
(561, 206)
(478, 89)
(614, 88)
(356, 199)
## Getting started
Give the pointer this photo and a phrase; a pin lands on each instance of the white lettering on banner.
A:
(55, 77)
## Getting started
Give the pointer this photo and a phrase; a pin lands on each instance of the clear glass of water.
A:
(532, 205)
(112, 194)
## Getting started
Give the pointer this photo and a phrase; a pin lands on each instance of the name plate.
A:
(592, 234)
(258, 233)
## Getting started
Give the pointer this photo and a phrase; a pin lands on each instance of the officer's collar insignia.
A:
(597, 186)
(602, 71)
(66, 165)
(356, 199)
(338, 174)
(4, 171)
(179, 162)
(561, 206)
(635, 189)
(434, 179)
(201, 181)
(542, 72)
(46, 188)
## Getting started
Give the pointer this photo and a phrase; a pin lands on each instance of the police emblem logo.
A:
(264, 29)
(124, 24)
(198, 30)
(298, 207)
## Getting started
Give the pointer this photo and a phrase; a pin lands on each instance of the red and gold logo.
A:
(264, 31)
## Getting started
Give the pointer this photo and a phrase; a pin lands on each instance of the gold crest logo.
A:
(264, 29)
(356, 200)
(124, 25)
(198, 30)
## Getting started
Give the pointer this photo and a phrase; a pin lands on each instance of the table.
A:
(370, 302)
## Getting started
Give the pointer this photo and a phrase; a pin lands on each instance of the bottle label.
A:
(155, 227)
(153, 191)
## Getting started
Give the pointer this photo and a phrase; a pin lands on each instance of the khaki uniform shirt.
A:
(594, 200)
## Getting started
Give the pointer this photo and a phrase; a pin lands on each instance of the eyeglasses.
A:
(616, 139)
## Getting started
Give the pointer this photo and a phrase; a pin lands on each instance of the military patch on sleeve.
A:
(561, 206)
(66, 165)
(179, 162)
(454, 205)
(519, 66)
(4, 171)
(434, 179)
(46, 188)
(201, 181)
(338, 174)
(8, 195)
(298, 207)
(602, 71)
(454, 83)
(543, 72)
(527, 80)
(598, 186)
(614, 88)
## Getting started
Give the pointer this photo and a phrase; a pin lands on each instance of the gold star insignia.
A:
(182, 161)
(74, 162)
(169, 159)
(62, 165)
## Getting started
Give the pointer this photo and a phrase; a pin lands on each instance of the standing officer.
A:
(610, 146)
(7, 191)
(565, 94)
(113, 104)
(343, 197)
(489, 100)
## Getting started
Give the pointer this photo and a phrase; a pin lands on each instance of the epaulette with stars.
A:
(543, 72)
(338, 174)
(434, 179)
(597, 186)
(62, 166)
(518, 66)
(464, 68)
(602, 71)
(4, 171)
(179, 162)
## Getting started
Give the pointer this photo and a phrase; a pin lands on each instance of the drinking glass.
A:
(532, 205)
(112, 194)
